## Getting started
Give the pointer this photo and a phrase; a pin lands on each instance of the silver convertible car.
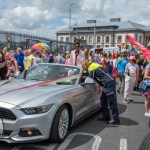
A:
(44, 102)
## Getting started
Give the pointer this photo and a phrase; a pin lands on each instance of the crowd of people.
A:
(129, 66)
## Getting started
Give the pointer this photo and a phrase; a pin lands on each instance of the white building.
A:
(108, 34)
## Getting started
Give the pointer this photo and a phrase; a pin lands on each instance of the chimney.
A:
(115, 19)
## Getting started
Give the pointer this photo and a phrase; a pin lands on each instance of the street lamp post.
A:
(10, 36)
(70, 26)
(76, 28)
(94, 38)
(76, 24)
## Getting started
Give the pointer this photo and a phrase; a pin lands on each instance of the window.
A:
(98, 46)
(90, 39)
(46, 72)
(107, 39)
(127, 39)
(119, 39)
(82, 38)
(98, 39)
(106, 45)
(140, 39)
(61, 39)
(75, 39)
(67, 39)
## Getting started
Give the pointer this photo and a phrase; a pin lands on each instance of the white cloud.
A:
(27, 17)
(36, 16)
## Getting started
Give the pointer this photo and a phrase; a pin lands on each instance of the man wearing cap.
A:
(131, 78)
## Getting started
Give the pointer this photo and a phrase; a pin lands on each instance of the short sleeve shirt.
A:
(30, 61)
(133, 69)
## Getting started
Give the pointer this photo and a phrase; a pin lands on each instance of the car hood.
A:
(12, 92)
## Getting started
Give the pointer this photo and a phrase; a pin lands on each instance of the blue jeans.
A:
(121, 83)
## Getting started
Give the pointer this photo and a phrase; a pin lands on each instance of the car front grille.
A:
(7, 114)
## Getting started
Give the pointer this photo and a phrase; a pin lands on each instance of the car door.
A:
(96, 93)
(86, 99)
(81, 97)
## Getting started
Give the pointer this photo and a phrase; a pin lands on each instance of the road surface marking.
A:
(123, 144)
(95, 145)
(1, 128)
(19, 147)
(52, 146)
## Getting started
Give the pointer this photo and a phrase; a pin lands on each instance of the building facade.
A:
(109, 34)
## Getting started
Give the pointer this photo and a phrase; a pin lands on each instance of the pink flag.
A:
(143, 49)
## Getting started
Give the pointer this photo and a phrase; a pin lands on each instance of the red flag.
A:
(143, 49)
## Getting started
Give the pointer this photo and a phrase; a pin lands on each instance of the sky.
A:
(46, 17)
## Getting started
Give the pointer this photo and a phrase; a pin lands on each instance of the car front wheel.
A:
(60, 125)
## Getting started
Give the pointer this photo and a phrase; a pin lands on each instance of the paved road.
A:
(91, 134)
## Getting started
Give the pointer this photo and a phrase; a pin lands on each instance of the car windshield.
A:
(62, 75)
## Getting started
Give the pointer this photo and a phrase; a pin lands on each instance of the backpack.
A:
(144, 86)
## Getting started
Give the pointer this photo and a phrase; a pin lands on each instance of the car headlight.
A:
(37, 110)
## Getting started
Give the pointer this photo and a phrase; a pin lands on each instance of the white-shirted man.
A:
(77, 56)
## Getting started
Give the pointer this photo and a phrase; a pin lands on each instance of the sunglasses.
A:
(77, 46)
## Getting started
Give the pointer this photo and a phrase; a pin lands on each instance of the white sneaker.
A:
(126, 101)
(147, 114)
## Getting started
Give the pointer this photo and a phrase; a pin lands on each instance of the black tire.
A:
(145, 145)
(54, 133)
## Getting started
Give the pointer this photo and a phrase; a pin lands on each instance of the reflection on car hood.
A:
(27, 95)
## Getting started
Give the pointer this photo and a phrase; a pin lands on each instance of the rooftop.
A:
(122, 25)
(147, 28)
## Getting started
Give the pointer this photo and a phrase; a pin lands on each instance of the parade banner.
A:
(143, 49)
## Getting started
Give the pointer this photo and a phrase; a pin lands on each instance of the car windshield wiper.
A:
(63, 83)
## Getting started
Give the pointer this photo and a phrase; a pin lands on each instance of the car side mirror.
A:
(88, 81)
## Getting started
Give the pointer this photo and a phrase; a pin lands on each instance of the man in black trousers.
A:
(108, 97)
